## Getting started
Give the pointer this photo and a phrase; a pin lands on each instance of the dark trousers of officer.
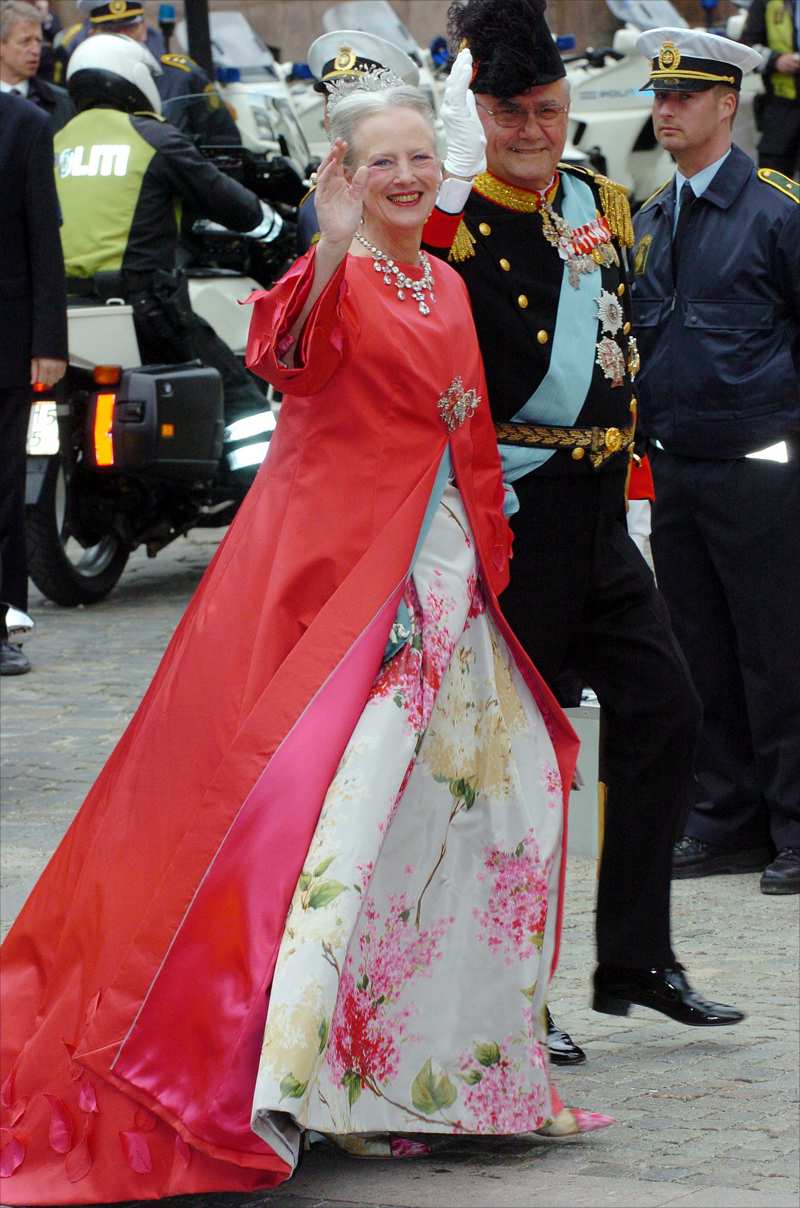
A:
(726, 547)
(582, 597)
(14, 412)
(779, 147)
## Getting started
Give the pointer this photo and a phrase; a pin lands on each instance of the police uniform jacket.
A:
(191, 102)
(516, 284)
(720, 338)
(120, 180)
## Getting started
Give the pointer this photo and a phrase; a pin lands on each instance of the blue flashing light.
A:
(166, 14)
(566, 42)
(228, 75)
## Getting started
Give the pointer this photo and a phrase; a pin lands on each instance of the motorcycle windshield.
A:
(647, 14)
(235, 44)
(372, 17)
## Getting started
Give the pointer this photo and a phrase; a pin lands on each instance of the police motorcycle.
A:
(610, 126)
(124, 454)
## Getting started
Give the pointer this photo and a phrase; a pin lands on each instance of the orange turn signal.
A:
(167, 430)
(39, 387)
(102, 430)
(107, 375)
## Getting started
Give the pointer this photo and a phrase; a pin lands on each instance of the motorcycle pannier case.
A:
(161, 420)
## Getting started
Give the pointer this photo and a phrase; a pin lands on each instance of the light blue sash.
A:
(560, 395)
(400, 633)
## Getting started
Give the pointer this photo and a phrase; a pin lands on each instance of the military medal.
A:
(634, 361)
(609, 312)
(611, 361)
(583, 248)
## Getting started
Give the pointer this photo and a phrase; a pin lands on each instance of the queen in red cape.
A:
(318, 883)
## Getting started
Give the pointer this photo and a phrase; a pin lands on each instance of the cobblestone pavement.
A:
(705, 1117)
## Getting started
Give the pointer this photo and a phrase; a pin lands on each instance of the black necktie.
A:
(687, 201)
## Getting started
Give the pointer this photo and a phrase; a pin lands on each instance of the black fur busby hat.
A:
(512, 47)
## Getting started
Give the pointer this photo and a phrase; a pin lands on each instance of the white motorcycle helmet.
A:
(114, 69)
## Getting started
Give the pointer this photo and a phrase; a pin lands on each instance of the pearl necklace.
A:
(394, 276)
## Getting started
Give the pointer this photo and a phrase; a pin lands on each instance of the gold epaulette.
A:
(306, 196)
(784, 184)
(614, 201)
(183, 62)
(617, 209)
(463, 245)
(655, 193)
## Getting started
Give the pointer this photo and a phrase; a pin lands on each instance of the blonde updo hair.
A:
(352, 110)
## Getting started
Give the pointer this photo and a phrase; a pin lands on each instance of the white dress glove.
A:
(466, 141)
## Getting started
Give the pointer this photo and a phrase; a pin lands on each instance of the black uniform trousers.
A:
(582, 597)
(779, 146)
(14, 412)
(726, 547)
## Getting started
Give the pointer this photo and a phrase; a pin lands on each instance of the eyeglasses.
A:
(546, 114)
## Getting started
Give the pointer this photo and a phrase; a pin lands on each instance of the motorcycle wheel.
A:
(65, 571)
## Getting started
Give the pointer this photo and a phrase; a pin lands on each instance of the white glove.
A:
(466, 141)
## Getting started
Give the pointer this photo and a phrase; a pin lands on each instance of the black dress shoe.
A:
(562, 1048)
(694, 858)
(617, 989)
(783, 874)
(12, 660)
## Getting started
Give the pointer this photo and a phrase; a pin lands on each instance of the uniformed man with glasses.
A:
(542, 247)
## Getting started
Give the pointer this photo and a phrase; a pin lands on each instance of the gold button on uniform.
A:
(504, 264)
(484, 228)
(620, 289)
(626, 328)
(542, 337)
(578, 454)
(522, 301)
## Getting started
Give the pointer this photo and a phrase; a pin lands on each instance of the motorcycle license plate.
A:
(43, 428)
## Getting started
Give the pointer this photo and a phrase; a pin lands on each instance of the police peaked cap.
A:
(103, 14)
(512, 47)
(690, 60)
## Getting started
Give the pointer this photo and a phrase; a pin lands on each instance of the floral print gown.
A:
(414, 965)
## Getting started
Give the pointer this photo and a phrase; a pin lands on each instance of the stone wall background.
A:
(292, 25)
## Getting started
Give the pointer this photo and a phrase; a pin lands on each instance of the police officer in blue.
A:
(189, 99)
(716, 305)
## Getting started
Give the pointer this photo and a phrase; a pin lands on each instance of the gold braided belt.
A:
(601, 443)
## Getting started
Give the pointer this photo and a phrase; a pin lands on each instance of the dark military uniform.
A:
(560, 365)
(772, 27)
(720, 343)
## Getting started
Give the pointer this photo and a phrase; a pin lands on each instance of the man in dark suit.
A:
(21, 39)
(33, 328)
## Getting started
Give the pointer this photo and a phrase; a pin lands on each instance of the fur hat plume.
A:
(512, 47)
